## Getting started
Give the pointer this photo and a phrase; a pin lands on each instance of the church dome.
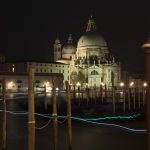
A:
(69, 48)
(90, 39)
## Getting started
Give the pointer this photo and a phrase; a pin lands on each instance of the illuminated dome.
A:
(90, 39)
(69, 48)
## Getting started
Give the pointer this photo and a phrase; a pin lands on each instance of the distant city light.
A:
(46, 84)
(144, 84)
(10, 85)
(48, 89)
(78, 84)
(87, 85)
(102, 84)
(131, 84)
(121, 84)
(57, 89)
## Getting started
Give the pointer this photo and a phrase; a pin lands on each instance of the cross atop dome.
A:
(57, 41)
(91, 26)
(70, 39)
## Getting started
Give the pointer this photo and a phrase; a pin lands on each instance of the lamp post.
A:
(129, 97)
(123, 93)
(95, 93)
(87, 91)
(101, 92)
(74, 92)
(144, 92)
(78, 86)
(71, 94)
(133, 91)
(113, 99)
(139, 96)
(4, 115)
(105, 93)
(45, 98)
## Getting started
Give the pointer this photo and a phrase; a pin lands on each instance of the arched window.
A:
(94, 72)
(37, 81)
(19, 81)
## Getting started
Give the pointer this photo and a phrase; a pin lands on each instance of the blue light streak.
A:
(89, 120)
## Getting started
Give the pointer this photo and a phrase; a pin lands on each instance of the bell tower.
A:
(57, 50)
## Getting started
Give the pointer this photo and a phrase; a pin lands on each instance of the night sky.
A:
(28, 29)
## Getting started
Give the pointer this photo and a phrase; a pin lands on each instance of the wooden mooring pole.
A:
(69, 116)
(139, 97)
(87, 94)
(54, 114)
(45, 98)
(124, 99)
(4, 114)
(146, 46)
(101, 93)
(134, 93)
(31, 110)
(129, 98)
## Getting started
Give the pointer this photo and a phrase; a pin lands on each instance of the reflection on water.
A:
(11, 95)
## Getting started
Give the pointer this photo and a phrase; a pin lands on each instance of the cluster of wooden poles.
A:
(31, 114)
(129, 97)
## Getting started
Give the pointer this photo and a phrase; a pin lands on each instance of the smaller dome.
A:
(69, 48)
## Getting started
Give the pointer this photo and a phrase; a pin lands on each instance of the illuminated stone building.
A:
(90, 62)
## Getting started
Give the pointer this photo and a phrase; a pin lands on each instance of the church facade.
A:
(90, 62)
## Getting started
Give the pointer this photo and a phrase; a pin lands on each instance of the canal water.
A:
(86, 136)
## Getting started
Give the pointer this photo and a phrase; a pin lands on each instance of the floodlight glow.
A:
(10, 85)
(78, 84)
(48, 89)
(57, 89)
(87, 85)
(131, 84)
(121, 84)
(102, 84)
(145, 84)
(46, 83)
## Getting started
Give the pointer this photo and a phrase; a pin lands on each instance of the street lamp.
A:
(78, 86)
(101, 91)
(145, 84)
(132, 85)
(123, 95)
(121, 84)
(87, 92)
(144, 92)
(102, 84)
